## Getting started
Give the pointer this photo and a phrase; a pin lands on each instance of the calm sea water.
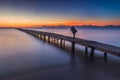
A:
(24, 57)
(20, 52)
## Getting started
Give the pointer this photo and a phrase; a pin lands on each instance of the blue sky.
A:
(100, 10)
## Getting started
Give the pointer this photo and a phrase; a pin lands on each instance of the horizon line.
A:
(60, 26)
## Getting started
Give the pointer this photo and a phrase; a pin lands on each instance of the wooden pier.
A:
(93, 45)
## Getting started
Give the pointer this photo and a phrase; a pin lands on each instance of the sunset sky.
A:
(28, 13)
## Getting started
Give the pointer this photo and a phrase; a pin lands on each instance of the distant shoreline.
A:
(66, 27)
(85, 27)
(6, 27)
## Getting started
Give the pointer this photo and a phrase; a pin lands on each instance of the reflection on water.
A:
(21, 52)
(24, 57)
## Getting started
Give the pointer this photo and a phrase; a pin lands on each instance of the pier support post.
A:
(61, 43)
(31, 33)
(92, 52)
(40, 36)
(57, 41)
(53, 40)
(48, 39)
(105, 56)
(86, 51)
(73, 47)
(44, 37)
(35, 34)
(64, 44)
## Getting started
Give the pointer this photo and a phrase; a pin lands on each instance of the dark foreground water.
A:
(24, 57)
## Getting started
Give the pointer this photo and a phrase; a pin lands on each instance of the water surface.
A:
(20, 52)
(24, 57)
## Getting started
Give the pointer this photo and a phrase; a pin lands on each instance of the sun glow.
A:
(39, 23)
(27, 19)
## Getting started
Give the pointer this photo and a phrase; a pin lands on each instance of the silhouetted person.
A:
(73, 31)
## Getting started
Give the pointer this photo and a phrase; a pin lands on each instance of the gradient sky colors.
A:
(27, 13)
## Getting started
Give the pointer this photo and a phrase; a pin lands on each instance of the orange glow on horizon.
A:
(57, 23)
(21, 18)
(12, 18)
(97, 23)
